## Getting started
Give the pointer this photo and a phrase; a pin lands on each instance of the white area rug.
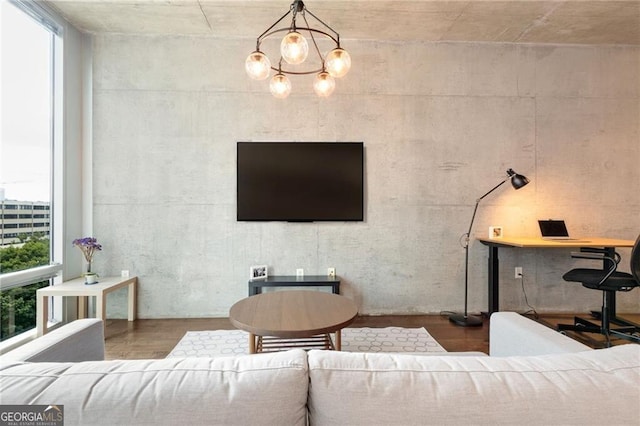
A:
(236, 342)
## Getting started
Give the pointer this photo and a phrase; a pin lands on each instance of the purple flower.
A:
(88, 246)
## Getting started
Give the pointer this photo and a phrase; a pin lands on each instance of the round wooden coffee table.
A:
(281, 320)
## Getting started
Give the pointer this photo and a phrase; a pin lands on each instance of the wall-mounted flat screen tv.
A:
(300, 181)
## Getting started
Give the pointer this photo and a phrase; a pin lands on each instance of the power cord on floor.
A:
(526, 299)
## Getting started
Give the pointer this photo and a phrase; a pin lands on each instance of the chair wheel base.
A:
(581, 325)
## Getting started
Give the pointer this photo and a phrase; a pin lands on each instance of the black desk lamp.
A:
(464, 320)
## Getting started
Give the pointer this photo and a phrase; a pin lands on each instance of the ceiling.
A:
(515, 21)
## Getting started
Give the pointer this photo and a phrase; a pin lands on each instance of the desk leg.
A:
(101, 308)
(42, 314)
(338, 345)
(493, 278)
(132, 301)
(82, 306)
(252, 343)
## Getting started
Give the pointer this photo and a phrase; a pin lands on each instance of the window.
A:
(28, 39)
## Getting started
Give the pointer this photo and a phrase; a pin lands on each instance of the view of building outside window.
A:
(26, 52)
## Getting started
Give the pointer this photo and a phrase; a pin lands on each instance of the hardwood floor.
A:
(155, 338)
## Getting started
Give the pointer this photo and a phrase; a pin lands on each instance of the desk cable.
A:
(526, 299)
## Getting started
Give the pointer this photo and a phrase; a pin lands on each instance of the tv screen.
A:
(300, 181)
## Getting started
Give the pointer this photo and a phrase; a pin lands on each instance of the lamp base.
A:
(466, 320)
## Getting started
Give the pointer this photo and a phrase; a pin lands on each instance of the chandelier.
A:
(294, 50)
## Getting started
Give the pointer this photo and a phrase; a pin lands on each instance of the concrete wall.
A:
(441, 123)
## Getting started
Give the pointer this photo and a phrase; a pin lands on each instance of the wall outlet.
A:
(518, 273)
(124, 273)
(331, 272)
(299, 272)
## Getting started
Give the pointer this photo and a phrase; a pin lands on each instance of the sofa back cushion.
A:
(80, 340)
(267, 389)
(385, 389)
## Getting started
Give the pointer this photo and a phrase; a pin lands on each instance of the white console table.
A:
(79, 289)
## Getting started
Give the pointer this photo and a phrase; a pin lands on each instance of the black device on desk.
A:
(553, 229)
(556, 230)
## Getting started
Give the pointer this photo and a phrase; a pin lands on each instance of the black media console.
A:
(255, 286)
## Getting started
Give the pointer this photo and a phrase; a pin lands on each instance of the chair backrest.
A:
(635, 260)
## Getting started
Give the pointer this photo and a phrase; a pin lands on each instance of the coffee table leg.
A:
(338, 340)
(252, 343)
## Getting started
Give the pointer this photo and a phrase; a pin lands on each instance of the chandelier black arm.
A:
(337, 37)
(264, 34)
(315, 44)
(280, 70)
(311, 30)
(279, 30)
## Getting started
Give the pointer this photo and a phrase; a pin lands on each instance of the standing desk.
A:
(493, 278)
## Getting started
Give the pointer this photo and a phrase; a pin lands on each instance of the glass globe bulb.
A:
(280, 86)
(294, 48)
(324, 84)
(257, 65)
(338, 62)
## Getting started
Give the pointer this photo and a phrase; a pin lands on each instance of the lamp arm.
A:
(468, 234)
(494, 188)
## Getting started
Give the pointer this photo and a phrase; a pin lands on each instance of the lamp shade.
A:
(338, 62)
(280, 86)
(294, 48)
(257, 65)
(518, 181)
(324, 84)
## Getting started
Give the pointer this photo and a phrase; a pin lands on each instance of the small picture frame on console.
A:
(495, 232)
(258, 272)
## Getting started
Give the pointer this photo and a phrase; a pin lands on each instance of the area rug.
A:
(235, 342)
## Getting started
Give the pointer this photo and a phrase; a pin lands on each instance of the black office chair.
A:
(609, 281)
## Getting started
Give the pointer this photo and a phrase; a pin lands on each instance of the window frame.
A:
(55, 214)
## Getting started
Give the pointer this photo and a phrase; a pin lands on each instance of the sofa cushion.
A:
(592, 387)
(268, 389)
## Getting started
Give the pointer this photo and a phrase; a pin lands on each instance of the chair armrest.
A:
(601, 254)
(596, 253)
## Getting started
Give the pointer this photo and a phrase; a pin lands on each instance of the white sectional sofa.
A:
(533, 376)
